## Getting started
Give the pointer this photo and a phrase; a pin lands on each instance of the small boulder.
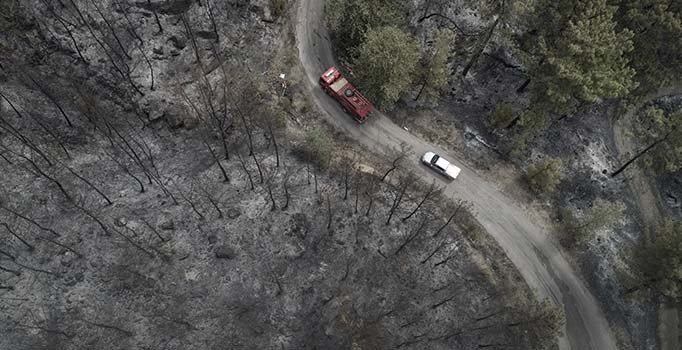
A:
(212, 239)
(233, 213)
(225, 252)
(167, 224)
(120, 221)
(178, 42)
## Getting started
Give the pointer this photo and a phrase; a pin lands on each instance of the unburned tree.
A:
(433, 72)
(545, 175)
(577, 54)
(662, 134)
(318, 147)
(601, 215)
(387, 64)
(658, 261)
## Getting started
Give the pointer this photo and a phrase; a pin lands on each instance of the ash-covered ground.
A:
(147, 203)
(584, 142)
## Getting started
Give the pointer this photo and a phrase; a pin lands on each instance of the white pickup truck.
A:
(440, 165)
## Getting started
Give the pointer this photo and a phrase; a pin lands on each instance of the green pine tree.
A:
(577, 55)
(386, 64)
(433, 72)
(657, 28)
(350, 20)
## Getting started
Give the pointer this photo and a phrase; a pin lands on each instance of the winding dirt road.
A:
(649, 206)
(523, 239)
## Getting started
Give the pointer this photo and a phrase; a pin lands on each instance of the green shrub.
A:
(545, 175)
(277, 7)
(318, 147)
(502, 116)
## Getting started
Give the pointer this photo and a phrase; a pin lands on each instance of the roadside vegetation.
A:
(166, 185)
(570, 65)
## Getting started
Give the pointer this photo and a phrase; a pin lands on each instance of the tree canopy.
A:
(577, 54)
(318, 147)
(662, 135)
(545, 175)
(386, 64)
(657, 28)
(350, 20)
(601, 215)
(433, 71)
(659, 261)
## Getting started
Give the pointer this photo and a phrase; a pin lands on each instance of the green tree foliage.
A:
(542, 326)
(545, 175)
(318, 147)
(576, 54)
(506, 16)
(8, 10)
(657, 28)
(433, 71)
(662, 135)
(387, 64)
(601, 215)
(502, 116)
(350, 20)
(277, 7)
(532, 122)
(659, 261)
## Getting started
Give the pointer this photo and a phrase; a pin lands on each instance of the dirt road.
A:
(523, 238)
(640, 186)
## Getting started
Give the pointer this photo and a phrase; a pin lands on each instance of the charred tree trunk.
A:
(432, 189)
(192, 39)
(438, 248)
(156, 16)
(217, 160)
(69, 33)
(130, 26)
(287, 196)
(346, 183)
(411, 237)
(111, 29)
(272, 197)
(521, 89)
(90, 184)
(274, 142)
(260, 171)
(26, 218)
(357, 193)
(149, 64)
(638, 155)
(212, 18)
(394, 165)
(480, 49)
(213, 202)
(106, 51)
(421, 90)
(329, 213)
(49, 96)
(29, 246)
(247, 129)
(398, 199)
(10, 129)
(243, 164)
(459, 206)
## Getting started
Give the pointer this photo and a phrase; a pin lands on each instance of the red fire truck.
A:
(348, 96)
